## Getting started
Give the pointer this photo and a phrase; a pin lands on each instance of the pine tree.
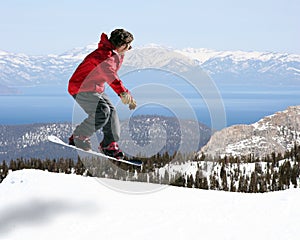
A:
(232, 185)
(223, 176)
(295, 175)
(285, 175)
(190, 181)
(166, 177)
(241, 182)
(197, 179)
(253, 183)
(13, 165)
(3, 171)
(79, 167)
(204, 184)
(179, 180)
(275, 181)
(213, 182)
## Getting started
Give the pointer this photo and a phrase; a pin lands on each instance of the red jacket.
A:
(98, 68)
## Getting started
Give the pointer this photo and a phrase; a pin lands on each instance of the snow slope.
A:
(43, 205)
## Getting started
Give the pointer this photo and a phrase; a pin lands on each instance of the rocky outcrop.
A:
(275, 133)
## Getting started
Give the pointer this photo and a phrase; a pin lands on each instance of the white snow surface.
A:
(41, 205)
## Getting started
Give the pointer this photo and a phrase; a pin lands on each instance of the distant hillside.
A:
(31, 140)
(276, 133)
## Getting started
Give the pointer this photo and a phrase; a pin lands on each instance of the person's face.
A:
(124, 48)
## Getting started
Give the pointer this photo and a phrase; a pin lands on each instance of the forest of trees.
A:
(279, 173)
(273, 173)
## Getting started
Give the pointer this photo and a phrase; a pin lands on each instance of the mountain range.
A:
(31, 140)
(251, 67)
(225, 67)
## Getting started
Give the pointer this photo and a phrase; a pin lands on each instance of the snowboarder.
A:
(87, 87)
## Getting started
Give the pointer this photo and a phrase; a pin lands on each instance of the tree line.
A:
(272, 173)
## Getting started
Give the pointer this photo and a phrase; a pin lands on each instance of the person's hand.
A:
(126, 98)
(132, 105)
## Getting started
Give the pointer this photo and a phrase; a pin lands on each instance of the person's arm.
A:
(109, 68)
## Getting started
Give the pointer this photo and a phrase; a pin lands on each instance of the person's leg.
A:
(98, 113)
(111, 129)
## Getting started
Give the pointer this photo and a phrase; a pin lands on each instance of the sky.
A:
(38, 27)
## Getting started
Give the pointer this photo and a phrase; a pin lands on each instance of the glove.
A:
(126, 98)
(132, 105)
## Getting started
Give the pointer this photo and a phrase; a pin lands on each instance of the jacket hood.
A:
(105, 43)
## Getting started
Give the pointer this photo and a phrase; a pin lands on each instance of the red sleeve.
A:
(118, 86)
(109, 68)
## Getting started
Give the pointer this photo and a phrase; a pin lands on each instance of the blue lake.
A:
(242, 105)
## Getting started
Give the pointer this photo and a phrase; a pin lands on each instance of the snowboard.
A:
(57, 140)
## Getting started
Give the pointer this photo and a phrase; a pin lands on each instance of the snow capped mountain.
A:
(203, 55)
(77, 54)
(154, 56)
(23, 70)
(275, 133)
(232, 67)
(223, 66)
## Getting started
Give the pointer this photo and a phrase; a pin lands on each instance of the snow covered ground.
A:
(36, 204)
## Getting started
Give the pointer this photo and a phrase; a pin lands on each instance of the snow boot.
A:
(81, 142)
(112, 150)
